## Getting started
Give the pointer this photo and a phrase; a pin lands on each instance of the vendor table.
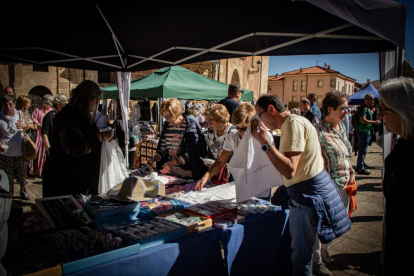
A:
(196, 254)
(259, 246)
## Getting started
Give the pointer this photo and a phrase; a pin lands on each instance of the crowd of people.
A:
(313, 156)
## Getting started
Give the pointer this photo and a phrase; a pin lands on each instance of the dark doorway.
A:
(36, 94)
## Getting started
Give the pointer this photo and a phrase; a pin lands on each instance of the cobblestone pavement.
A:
(357, 252)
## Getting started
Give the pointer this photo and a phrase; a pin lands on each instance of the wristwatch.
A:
(266, 147)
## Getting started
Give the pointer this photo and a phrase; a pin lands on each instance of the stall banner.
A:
(251, 168)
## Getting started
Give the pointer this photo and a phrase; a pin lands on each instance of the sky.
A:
(358, 66)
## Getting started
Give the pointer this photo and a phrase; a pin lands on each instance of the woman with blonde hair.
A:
(240, 122)
(397, 111)
(23, 103)
(182, 143)
(217, 133)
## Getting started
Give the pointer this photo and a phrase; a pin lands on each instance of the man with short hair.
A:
(364, 132)
(312, 100)
(234, 94)
(308, 112)
(309, 190)
(8, 90)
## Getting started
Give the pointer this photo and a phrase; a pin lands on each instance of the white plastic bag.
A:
(113, 167)
(251, 168)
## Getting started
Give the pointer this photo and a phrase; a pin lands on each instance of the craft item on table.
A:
(183, 219)
(254, 206)
(238, 219)
(27, 222)
(223, 224)
(214, 210)
(139, 230)
(62, 211)
(161, 205)
(225, 192)
(28, 260)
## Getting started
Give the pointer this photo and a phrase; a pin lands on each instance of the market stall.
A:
(106, 236)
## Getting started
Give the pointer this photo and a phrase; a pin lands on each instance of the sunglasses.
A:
(262, 112)
(241, 128)
(381, 111)
(167, 117)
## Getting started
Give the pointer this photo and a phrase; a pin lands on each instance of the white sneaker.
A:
(321, 269)
(326, 258)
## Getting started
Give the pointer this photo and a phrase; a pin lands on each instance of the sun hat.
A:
(135, 188)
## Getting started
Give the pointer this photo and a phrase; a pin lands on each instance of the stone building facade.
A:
(36, 81)
(294, 85)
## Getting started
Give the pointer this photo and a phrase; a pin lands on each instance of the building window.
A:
(320, 83)
(269, 88)
(104, 77)
(294, 98)
(343, 88)
(40, 68)
(295, 86)
(319, 98)
(333, 83)
(339, 85)
(303, 85)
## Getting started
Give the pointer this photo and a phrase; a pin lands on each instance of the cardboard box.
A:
(206, 222)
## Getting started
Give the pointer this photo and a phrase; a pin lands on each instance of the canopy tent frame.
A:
(201, 51)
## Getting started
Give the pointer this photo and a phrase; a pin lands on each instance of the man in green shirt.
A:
(364, 132)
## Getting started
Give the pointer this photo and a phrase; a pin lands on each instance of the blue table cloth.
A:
(195, 254)
(259, 246)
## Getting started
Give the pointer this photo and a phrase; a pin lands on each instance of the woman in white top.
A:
(12, 124)
(241, 119)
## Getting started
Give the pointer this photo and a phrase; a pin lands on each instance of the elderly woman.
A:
(336, 151)
(75, 146)
(45, 106)
(12, 124)
(397, 111)
(182, 143)
(58, 103)
(23, 104)
(241, 120)
(217, 133)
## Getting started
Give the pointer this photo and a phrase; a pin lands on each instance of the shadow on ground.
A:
(366, 219)
(373, 187)
(368, 263)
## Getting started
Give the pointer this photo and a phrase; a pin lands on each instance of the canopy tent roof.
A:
(127, 35)
(176, 82)
(358, 97)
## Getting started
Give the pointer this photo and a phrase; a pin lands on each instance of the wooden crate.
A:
(206, 222)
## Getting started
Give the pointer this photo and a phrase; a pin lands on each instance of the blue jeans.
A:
(302, 224)
(363, 139)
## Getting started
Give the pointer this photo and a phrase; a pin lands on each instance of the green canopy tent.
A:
(175, 82)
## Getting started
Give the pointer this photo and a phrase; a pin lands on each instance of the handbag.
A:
(28, 147)
(222, 177)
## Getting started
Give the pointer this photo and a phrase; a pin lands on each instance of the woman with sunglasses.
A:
(182, 143)
(240, 119)
(397, 111)
(12, 124)
(336, 150)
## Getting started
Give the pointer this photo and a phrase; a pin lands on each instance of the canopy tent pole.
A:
(124, 85)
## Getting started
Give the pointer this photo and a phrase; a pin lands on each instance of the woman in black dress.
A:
(75, 146)
(397, 111)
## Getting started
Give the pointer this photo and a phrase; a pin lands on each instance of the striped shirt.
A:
(336, 151)
(171, 141)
